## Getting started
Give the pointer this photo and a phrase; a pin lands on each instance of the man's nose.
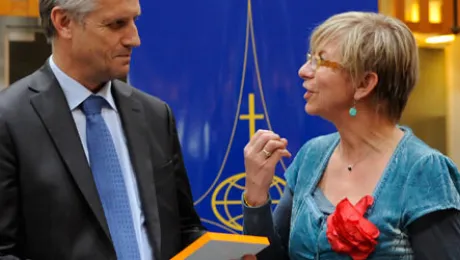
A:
(133, 39)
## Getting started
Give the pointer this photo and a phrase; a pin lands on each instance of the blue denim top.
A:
(417, 180)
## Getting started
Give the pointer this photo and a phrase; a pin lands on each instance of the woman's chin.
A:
(311, 109)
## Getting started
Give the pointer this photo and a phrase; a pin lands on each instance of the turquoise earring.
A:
(353, 110)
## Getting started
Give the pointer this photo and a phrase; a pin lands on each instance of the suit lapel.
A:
(51, 106)
(135, 129)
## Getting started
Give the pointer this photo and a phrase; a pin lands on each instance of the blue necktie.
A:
(109, 180)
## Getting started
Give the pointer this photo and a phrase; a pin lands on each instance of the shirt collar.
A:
(75, 92)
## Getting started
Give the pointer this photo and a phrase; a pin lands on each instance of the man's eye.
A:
(117, 24)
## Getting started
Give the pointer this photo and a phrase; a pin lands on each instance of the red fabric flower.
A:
(349, 232)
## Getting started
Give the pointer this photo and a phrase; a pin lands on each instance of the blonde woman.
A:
(372, 190)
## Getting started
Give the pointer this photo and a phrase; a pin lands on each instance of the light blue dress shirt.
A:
(75, 94)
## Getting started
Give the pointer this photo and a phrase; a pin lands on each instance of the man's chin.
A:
(121, 74)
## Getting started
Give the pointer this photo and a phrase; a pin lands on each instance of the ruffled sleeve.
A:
(433, 184)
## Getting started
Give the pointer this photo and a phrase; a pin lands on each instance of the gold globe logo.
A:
(226, 199)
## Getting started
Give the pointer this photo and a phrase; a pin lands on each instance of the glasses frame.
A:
(317, 61)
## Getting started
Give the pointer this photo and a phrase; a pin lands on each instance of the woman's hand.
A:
(261, 155)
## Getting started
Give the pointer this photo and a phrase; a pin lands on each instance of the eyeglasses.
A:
(317, 61)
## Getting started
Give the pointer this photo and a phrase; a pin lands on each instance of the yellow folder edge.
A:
(197, 244)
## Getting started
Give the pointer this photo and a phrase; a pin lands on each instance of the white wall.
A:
(453, 103)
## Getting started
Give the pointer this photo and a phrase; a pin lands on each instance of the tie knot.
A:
(93, 105)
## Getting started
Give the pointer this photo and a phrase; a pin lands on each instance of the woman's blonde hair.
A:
(371, 42)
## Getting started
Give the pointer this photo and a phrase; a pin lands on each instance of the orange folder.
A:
(221, 246)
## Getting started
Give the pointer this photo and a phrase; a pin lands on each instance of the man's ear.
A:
(367, 85)
(62, 22)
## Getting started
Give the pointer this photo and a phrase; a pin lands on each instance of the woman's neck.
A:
(366, 134)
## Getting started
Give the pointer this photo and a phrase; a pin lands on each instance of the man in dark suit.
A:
(90, 168)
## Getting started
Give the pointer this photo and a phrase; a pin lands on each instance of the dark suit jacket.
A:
(49, 205)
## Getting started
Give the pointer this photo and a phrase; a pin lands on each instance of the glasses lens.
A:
(312, 60)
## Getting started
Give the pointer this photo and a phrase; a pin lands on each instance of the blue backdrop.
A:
(228, 68)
